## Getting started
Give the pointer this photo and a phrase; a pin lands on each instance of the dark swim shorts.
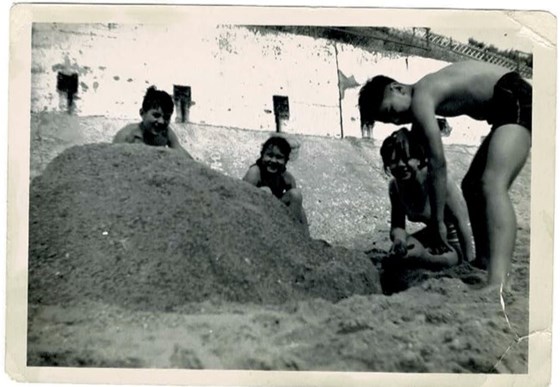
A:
(512, 102)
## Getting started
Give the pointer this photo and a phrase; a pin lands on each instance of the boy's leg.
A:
(507, 152)
(476, 205)
(420, 256)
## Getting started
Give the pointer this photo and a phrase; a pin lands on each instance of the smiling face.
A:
(273, 160)
(395, 106)
(403, 155)
(404, 169)
(155, 123)
(155, 120)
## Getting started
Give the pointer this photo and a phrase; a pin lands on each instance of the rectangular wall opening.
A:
(281, 111)
(182, 98)
(67, 86)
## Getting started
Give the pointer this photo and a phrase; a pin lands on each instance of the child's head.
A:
(156, 111)
(275, 154)
(155, 98)
(386, 100)
(402, 154)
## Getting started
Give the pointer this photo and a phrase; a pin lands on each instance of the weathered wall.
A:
(233, 73)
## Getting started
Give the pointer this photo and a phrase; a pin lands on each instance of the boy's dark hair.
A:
(402, 144)
(371, 96)
(155, 98)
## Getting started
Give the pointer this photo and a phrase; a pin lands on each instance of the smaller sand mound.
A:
(146, 228)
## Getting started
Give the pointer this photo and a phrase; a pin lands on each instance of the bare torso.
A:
(464, 88)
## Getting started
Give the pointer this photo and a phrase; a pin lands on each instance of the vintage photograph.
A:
(337, 197)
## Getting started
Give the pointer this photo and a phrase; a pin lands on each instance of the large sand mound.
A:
(145, 228)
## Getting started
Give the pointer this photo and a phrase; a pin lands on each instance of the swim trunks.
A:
(512, 102)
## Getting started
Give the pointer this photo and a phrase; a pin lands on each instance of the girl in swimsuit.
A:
(269, 173)
(405, 160)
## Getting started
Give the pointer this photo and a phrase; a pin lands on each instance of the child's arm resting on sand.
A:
(121, 136)
(174, 143)
(423, 110)
(289, 180)
(398, 223)
(253, 175)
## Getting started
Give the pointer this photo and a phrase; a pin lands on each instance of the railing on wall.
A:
(479, 54)
(426, 41)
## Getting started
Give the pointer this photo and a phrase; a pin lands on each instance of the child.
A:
(156, 111)
(269, 173)
(404, 158)
(484, 92)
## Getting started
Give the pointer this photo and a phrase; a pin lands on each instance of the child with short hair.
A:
(157, 109)
(269, 173)
(404, 159)
(482, 91)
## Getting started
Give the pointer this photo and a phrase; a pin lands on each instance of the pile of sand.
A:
(145, 228)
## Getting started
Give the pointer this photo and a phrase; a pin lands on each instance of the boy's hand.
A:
(399, 248)
(266, 189)
(438, 241)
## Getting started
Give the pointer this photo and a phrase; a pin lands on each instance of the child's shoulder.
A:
(255, 169)
(129, 133)
(253, 175)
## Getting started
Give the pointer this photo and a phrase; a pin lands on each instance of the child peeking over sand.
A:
(405, 160)
(156, 111)
(482, 91)
(269, 173)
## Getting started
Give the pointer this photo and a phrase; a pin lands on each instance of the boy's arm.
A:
(253, 175)
(121, 136)
(174, 143)
(290, 180)
(423, 110)
(398, 222)
(460, 215)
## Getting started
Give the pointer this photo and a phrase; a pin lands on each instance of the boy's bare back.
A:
(461, 88)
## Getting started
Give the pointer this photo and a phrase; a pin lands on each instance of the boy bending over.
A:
(481, 91)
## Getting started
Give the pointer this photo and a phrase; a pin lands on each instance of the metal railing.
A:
(423, 39)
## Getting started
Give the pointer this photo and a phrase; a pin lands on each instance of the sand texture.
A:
(141, 258)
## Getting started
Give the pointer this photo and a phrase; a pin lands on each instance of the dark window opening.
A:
(281, 110)
(367, 130)
(444, 127)
(182, 98)
(67, 84)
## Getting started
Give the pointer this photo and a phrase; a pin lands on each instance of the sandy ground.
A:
(327, 312)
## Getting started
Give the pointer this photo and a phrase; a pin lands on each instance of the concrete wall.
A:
(233, 73)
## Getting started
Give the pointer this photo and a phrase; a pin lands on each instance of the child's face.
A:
(402, 169)
(395, 107)
(273, 159)
(155, 121)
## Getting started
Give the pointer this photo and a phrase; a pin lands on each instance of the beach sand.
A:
(141, 258)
